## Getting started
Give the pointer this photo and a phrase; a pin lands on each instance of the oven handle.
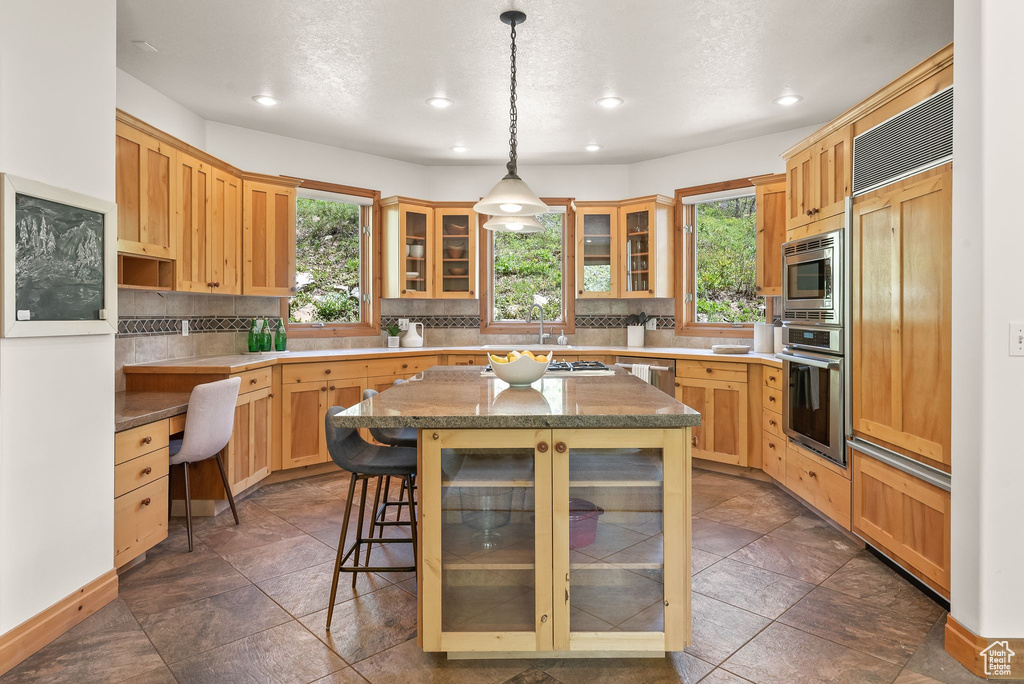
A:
(809, 361)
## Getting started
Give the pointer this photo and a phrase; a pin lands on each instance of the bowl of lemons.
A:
(520, 369)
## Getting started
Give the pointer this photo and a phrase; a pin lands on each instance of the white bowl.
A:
(522, 372)
(416, 250)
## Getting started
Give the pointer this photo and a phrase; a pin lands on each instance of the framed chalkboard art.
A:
(59, 259)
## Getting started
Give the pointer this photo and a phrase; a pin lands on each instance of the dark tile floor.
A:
(779, 596)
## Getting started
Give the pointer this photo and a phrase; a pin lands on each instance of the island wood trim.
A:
(912, 78)
(39, 630)
(966, 647)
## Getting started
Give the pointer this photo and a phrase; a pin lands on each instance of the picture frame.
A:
(58, 261)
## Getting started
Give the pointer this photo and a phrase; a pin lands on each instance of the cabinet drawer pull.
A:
(147, 470)
(147, 440)
(709, 370)
(146, 501)
(770, 445)
(772, 423)
(772, 378)
(560, 447)
(405, 365)
(771, 399)
(327, 372)
(252, 381)
(812, 473)
(542, 447)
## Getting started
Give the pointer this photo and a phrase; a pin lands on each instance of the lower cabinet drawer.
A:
(140, 471)
(824, 489)
(773, 455)
(140, 521)
(773, 377)
(133, 443)
(711, 370)
(312, 372)
(771, 399)
(254, 380)
(468, 360)
(772, 422)
(409, 365)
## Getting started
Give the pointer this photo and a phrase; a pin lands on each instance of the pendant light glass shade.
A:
(511, 197)
(514, 224)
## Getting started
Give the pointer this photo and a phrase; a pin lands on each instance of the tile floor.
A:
(779, 596)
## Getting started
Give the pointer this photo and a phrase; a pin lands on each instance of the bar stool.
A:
(366, 461)
(405, 437)
(208, 425)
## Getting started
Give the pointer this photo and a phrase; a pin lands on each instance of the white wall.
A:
(156, 109)
(988, 456)
(595, 182)
(57, 89)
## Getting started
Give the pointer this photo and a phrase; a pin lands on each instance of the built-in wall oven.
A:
(812, 396)
(812, 282)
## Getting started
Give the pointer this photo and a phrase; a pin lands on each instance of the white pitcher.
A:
(413, 337)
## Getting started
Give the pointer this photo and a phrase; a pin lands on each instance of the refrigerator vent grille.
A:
(916, 139)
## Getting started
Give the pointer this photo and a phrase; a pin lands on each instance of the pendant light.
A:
(511, 196)
(514, 224)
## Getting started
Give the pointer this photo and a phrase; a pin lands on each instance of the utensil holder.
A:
(634, 335)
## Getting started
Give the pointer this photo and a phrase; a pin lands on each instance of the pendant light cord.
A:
(513, 156)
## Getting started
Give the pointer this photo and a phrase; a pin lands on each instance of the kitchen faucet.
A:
(541, 335)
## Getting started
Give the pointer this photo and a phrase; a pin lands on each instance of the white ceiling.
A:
(693, 73)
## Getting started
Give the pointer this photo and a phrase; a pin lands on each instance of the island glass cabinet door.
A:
(556, 540)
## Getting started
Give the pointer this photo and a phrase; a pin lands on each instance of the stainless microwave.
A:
(812, 279)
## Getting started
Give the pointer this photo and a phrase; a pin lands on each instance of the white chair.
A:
(208, 425)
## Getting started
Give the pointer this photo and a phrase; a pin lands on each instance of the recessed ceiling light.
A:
(144, 46)
(788, 100)
(610, 102)
(265, 100)
(592, 147)
(458, 148)
(439, 102)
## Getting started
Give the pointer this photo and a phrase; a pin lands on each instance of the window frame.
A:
(686, 280)
(369, 265)
(488, 326)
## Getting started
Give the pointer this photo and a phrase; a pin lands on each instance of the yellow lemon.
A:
(498, 359)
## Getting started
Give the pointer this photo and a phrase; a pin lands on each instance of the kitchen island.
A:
(554, 519)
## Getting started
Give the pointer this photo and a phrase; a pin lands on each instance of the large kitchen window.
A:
(521, 269)
(333, 263)
(719, 260)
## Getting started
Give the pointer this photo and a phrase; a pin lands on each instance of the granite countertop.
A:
(132, 409)
(236, 363)
(460, 397)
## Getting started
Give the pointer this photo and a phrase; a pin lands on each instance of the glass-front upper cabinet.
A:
(455, 236)
(646, 243)
(416, 224)
(597, 251)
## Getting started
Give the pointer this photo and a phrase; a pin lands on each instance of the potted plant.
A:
(393, 331)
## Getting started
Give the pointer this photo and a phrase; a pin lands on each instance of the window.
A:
(333, 263)
(523, 269)
(719, 260)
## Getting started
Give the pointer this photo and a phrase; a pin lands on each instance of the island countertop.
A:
(461, 397)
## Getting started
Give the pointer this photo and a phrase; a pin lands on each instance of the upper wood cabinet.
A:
(146, 193)
(195, 185)
(818, 179)
(455, 261)
(225, 240)
(646, 247)
(770, 195)
(597, 251)
(268, 244)
(902, 284)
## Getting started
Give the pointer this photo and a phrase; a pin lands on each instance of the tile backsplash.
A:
(149, 325)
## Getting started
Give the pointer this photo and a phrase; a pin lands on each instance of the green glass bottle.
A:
(281, 338)
(254, 337)
(266, 339)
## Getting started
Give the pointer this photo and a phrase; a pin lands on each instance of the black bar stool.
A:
(404, 437)
(365, 461)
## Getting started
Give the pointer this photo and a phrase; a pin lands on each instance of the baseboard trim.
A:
(966, 647)
(39, 630)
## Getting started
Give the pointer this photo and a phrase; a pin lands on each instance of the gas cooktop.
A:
(572, 368)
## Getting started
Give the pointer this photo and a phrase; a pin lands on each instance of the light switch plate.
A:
(1017, 339)
(184, 327)
(403, 323)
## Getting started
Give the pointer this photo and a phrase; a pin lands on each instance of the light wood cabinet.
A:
(268, 244)
(140, 489)
(408, 251)
(770, 196)
(906, 517)
(474, 499)
(818, 179)
(247, 456)
(822, 487)
(597, 251)
(193, 225)
(304, 407)
(646, 247)
(225, 239)
(454, 244)
(468, 360)
(902, 290)
(146, 192)
(722, 434)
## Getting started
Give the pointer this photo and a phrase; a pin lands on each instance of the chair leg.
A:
(170, 495)
(188, 506)
(227, 487)
(341, 550)
(412, 523)
(373, 514)
(401, 495)
(359, 531)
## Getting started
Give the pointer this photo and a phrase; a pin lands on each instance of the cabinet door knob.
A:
(333, 388)
(709, 370)
(271, 395)
(542, 447)
(757, 287)
(327, 372)
(471, 292)
(650, 291)
(678, 385)
(403, 291)
(147, 470)
(147, 440)
(543, 618)
(560, 447)
(324, 388)
(693, 440)
(146, 501)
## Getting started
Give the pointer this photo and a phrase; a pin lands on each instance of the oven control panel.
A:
(813, 337)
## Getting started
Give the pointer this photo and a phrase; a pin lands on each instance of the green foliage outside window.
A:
(726, 262)
(526, 264)
(326, 262)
